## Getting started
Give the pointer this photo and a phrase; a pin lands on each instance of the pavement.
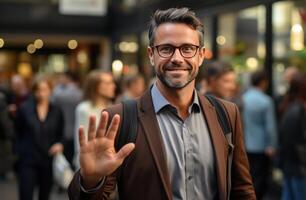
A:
(9, 191)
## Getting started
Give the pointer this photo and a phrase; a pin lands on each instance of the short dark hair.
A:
(73, 76)
(175, 15)
(130, 79)
(216, 69)
(258, 76)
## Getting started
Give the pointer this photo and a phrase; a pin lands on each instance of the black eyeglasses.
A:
(167, 50)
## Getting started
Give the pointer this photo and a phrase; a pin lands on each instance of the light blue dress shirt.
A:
(189, 152)
(259, 121)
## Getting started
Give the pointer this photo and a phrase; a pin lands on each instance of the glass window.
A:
(241, 38)
(288, 40)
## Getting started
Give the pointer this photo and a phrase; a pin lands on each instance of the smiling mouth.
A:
(177, 69)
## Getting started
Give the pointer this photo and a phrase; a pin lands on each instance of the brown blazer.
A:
(144, 174)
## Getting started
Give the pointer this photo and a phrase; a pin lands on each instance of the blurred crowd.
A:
(40, 118)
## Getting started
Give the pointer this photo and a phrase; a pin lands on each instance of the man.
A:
(260, 131)
(134, 86)
(19, 94)
(180, 151)
(221, 80)
(67, 95)
(6, 134)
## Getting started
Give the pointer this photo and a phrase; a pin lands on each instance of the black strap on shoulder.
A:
(128, 131)
(225, 124)
(223, 120)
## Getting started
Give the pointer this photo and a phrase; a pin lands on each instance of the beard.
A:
(169, 81)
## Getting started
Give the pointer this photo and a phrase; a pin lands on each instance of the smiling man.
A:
(180, 151)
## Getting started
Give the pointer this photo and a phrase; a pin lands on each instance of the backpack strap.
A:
(223, 120)
(225, 124)
(128, 131)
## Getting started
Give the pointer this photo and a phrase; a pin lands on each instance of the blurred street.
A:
(8, 190)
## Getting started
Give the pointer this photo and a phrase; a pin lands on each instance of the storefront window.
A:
(288, 45)
(241, 38)
(127, 53)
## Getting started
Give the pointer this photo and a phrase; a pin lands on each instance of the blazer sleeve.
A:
(241, 182)
(103, 193)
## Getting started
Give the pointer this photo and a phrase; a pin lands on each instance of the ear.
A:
(201, 55)
(150, 52)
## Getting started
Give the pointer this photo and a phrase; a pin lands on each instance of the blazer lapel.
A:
(219, 144)
(149, 123)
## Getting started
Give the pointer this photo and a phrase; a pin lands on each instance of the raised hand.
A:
(98, 157)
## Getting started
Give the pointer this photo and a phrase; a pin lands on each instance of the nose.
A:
(177, 57)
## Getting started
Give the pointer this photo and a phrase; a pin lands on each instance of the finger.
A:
(92, 127)
(113, 127)
(82, 138)
(125, 151)
(102, 124)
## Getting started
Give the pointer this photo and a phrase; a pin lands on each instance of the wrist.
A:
(89, 182)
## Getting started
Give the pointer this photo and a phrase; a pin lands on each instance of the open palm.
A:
(98, 157)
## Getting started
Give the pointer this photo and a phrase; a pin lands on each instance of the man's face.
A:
(225, 85)
(107, 87)
(176, 71)
(138, 87)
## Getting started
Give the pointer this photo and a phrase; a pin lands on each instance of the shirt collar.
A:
(160, 102)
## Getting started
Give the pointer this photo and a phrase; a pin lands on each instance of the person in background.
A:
(202, 86)
(6, 134)
(180, 151)
(280, 99)
(260, 131)
(293, 140)
(221, 80)
(18, 93)
(134, 86)
(289, 73)
(39, 136)
(98, 94)
(67, 95)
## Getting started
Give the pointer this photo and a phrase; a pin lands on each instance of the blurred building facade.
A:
(60, 35)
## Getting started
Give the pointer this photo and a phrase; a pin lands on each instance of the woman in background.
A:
(293, 140)
(39, 128)
(99, 93)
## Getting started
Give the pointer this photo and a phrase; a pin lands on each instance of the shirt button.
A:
(189, 178)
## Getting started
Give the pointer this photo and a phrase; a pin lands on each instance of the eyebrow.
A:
(179, 45)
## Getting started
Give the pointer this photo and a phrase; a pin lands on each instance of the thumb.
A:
(125, 151)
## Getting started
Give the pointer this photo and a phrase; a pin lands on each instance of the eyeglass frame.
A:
(176, 47)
